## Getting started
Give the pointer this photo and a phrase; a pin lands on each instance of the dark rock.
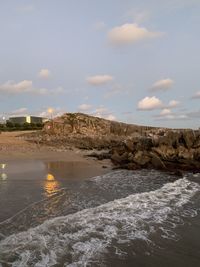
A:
(157, 162)
(189, 137)
(116, 158)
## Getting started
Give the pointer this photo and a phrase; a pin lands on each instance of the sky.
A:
(134, 61)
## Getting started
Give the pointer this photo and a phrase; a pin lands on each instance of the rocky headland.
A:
(127, 145)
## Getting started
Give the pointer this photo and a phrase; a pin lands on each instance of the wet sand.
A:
(31, 172)
(13, 146)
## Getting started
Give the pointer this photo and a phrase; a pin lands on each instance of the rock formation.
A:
(130, 146)
(175, 150)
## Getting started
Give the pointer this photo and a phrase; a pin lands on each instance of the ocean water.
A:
(122, 218)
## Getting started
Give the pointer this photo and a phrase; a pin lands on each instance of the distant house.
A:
(27, 119)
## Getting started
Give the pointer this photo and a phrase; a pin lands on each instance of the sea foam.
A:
(79, 239)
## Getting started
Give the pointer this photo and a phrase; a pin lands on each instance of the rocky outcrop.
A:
(79, 123)
(129, 146)
(175, 150)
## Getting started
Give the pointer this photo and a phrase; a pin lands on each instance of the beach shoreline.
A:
(14, 147)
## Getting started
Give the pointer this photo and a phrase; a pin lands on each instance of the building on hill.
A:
(27, 119)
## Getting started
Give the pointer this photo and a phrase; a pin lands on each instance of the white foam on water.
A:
(79, 239)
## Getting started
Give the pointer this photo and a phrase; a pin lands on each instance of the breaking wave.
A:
(80, 239)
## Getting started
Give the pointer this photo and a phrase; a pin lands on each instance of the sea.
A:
(50, 217)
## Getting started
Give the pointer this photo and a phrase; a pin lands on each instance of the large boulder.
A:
(165, 152)
(157, 163)
(141, 158)
(129, 145)
(184, 153)
(189, 138)
(120, 159)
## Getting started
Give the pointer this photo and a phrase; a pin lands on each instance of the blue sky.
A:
(134, 61)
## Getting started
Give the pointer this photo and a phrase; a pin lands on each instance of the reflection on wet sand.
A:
(3, 175)
(51, 185)
(24, 182)
(3, 166)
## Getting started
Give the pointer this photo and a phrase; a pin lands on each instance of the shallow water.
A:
(25, 182)
(123, 218)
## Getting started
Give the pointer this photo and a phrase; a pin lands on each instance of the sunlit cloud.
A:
(99, 79)
(130, 33)
(44, 73)
(150, 103)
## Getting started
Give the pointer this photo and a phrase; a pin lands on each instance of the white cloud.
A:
(84, 107)
(26, 86)
(44, 73)
(11, 87)
(130, 34)
(99, 79)
(162, 85)
(197, 95)
(150, 103)
(165, 112)
(173, 104)
(111, 117)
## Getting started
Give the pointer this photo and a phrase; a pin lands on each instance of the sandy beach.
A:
(13, 146)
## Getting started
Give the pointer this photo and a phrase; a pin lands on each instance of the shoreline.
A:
(14, 147)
